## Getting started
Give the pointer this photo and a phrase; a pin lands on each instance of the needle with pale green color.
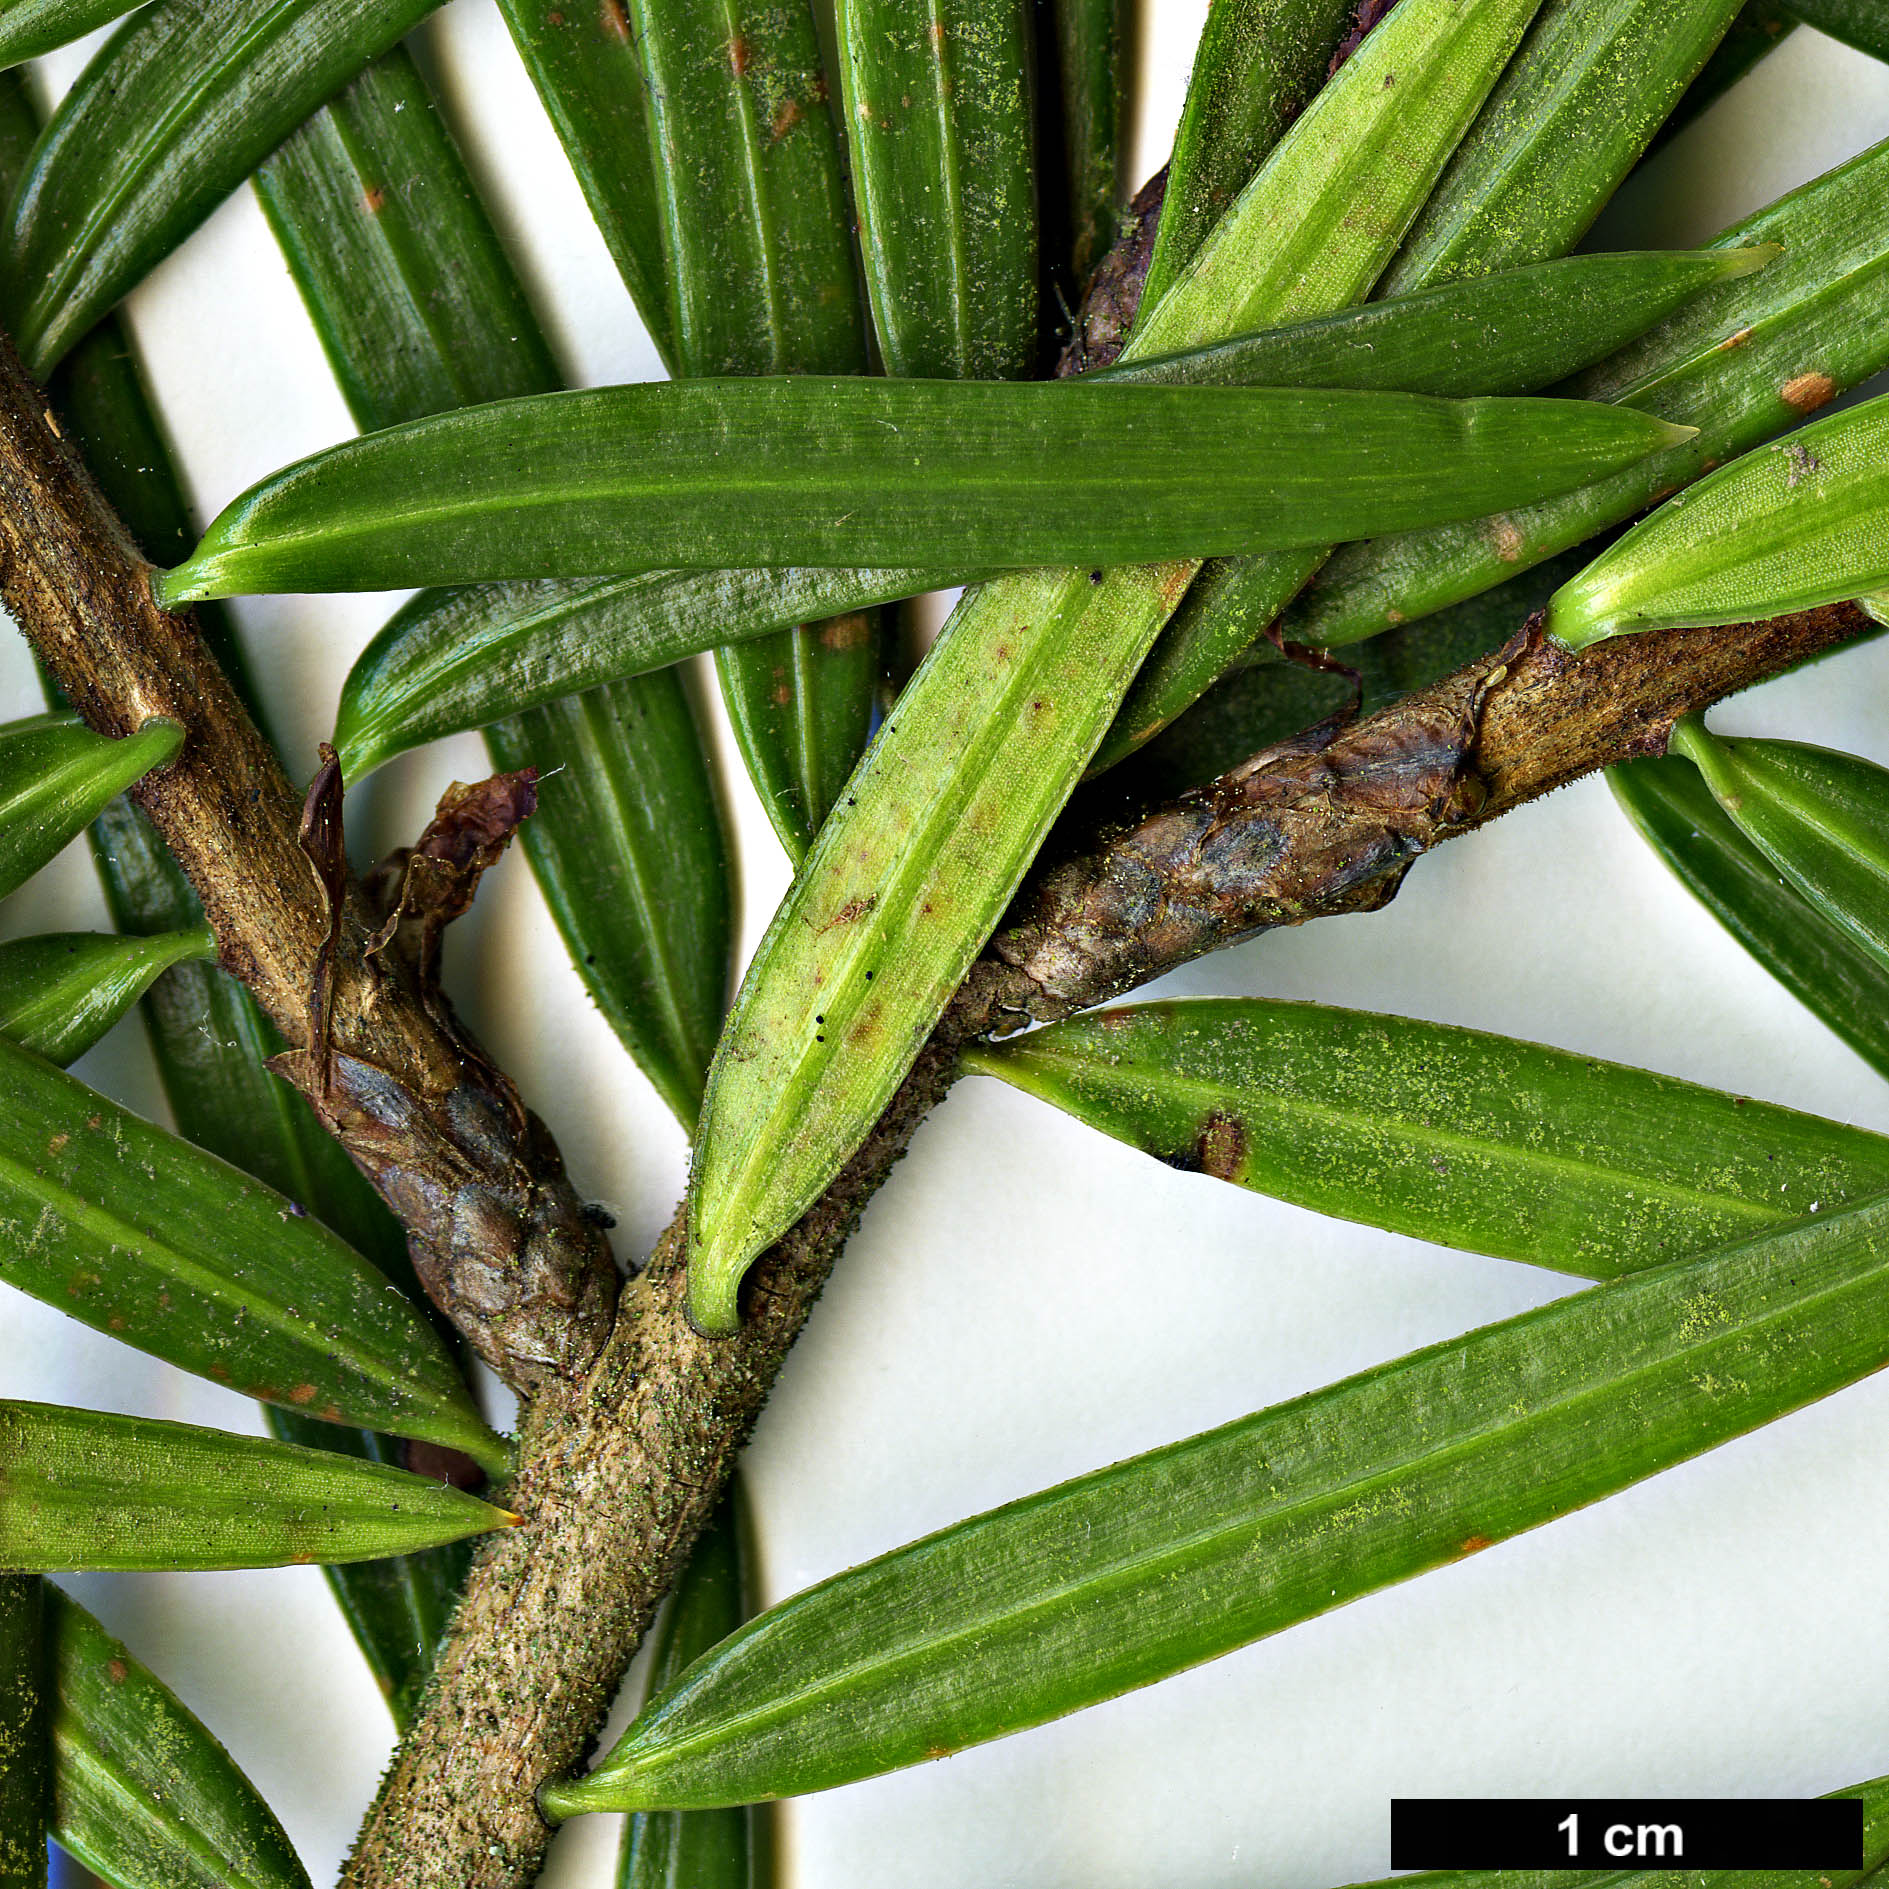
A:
(80, 1489)
(61, 991)
(143, 1794)
(1594, 80)
(1257, 61)
(953, 801)
(1793, 525)
(1742, 363)
(1569, 119)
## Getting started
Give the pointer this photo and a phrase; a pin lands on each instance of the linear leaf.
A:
(25, 1734)
(1503, 318)
(1256, 64)
(1790, 526)
(1742, 363)
(419, 309)
(802, 705)
(940, 122)
(940, 115)
(698, 1849)
(1815, 959)
(1088, 45)
(60, 992)
(584, 64)
(398, 1606)
(1292, 210)
(174, 111)
(815, 470)
(29, 29)
(749, 198)
(455, 659)
(143, 1795)
(1549, 146)
(138, 1233)
(417, 306)
(212, 1046)
(883, 921)
(1538, 166)
(1817, 815)
(951, 803)
(56, 774)
(82, 1490)
(758, 262)
(1505, 333)
(1136, 1572)
(1450, 1135)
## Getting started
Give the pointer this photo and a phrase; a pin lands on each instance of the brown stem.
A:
(1113, 296)
(1331, 820)
(618, 1477)
(497, 1233)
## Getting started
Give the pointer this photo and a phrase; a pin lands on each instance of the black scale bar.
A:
(1608, 1833)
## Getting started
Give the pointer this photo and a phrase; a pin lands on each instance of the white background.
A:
(1027, 1301)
